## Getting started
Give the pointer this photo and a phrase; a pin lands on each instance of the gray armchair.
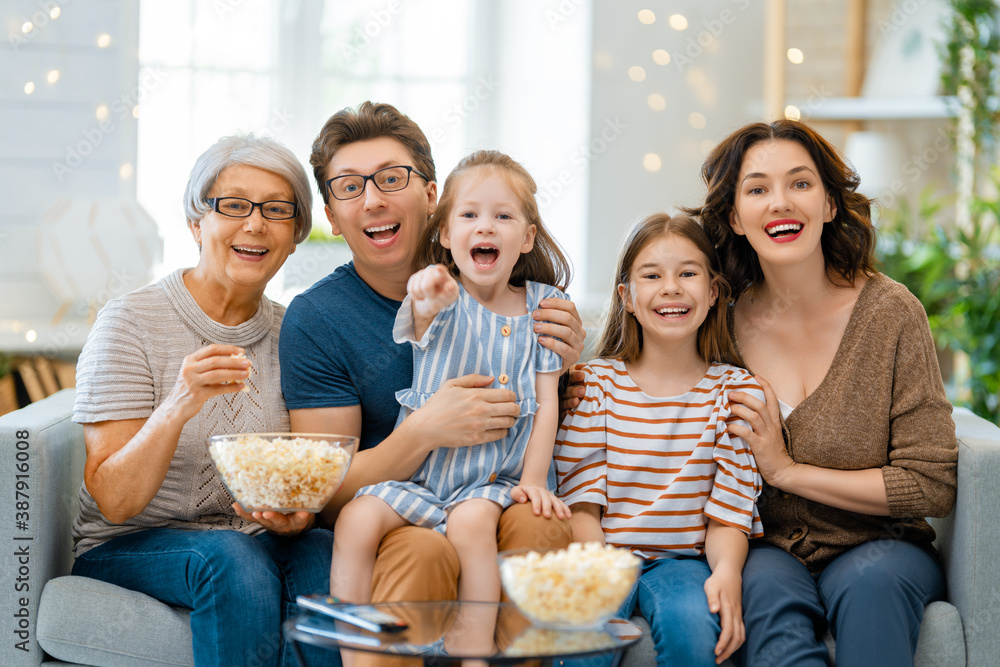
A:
(54, 618)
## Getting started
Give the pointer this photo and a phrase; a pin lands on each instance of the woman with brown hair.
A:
(855, 437)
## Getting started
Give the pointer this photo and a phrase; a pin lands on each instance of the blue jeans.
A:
(240, 588)
(670, 595)
(872, 598)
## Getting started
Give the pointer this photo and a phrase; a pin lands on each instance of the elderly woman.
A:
(162, 370)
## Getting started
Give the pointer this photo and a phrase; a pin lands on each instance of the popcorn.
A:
(279, 473)
(534, 642)
(581, 586)
(246, 387)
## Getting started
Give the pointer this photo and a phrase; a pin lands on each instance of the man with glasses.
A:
(340, 368)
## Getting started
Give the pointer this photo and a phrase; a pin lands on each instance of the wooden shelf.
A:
(878, 108)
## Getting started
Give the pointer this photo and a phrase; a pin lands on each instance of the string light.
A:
(697, 120)
(52, 76)
(29, 88)
(796, 56)
(792, 112)
(656, 102)
(102, 112)
(661, 57)
(647, 17)
(678, 22)
(636, 73)
(103, 40)
(652, 162)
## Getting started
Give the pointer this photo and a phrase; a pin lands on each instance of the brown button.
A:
(493, 477)
(503, 378)
(796, 535)
(505, 330)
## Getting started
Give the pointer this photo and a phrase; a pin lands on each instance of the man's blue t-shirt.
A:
(336, 350)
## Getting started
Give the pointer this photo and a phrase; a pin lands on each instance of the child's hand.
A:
(543, 501)
(724, 590)
(432, 289)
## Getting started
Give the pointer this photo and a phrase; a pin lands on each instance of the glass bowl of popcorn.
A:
(282, 472)
(577, 588)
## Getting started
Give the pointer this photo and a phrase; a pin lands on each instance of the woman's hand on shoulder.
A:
(432, 289)
(213, 370)
(560, 328)
(287, 525)
(764, 433)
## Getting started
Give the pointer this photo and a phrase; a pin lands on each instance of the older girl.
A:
(869, 445)
(646, 462)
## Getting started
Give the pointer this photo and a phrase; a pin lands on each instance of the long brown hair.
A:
(622, 335)
(848, 241)
(544, 263)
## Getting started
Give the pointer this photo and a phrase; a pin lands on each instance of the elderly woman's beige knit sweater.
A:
(881, 405)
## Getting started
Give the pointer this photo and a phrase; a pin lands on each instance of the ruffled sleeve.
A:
(403, 327)
(737, 485)
(581, 454)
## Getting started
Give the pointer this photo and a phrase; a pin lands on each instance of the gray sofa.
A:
(56, 619)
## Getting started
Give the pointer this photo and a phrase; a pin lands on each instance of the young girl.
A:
(487, 233)
(645, 461)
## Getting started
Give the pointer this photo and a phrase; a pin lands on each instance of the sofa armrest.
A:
(969, 538)
(41, 468)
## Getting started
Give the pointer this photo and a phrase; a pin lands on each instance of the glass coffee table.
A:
(440, 632)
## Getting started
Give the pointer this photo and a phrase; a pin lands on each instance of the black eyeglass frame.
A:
(214, 203)
(371, 177)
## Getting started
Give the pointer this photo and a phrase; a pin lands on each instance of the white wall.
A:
(714, 70)
(53, 145)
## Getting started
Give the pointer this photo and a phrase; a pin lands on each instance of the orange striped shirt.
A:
(660, 467)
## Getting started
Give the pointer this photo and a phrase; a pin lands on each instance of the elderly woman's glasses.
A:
(390, 179)
(237, 207)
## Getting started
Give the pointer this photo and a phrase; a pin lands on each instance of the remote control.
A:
(365, 617)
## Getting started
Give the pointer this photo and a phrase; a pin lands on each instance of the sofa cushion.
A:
(83, 620)
(941, 642)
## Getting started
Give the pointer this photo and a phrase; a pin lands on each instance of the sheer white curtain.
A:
(472, 74)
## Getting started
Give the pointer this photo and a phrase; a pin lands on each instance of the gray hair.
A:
(261, 152)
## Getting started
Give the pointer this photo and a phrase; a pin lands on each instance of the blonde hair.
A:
(544, 263)
(622, 335)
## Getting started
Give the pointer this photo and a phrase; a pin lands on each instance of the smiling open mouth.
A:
(787, 229)
(383, 232)
(253, 252)
(673, 312)
(485, 255)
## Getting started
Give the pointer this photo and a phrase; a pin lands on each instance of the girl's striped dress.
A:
(467, 338)
(660, 467)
